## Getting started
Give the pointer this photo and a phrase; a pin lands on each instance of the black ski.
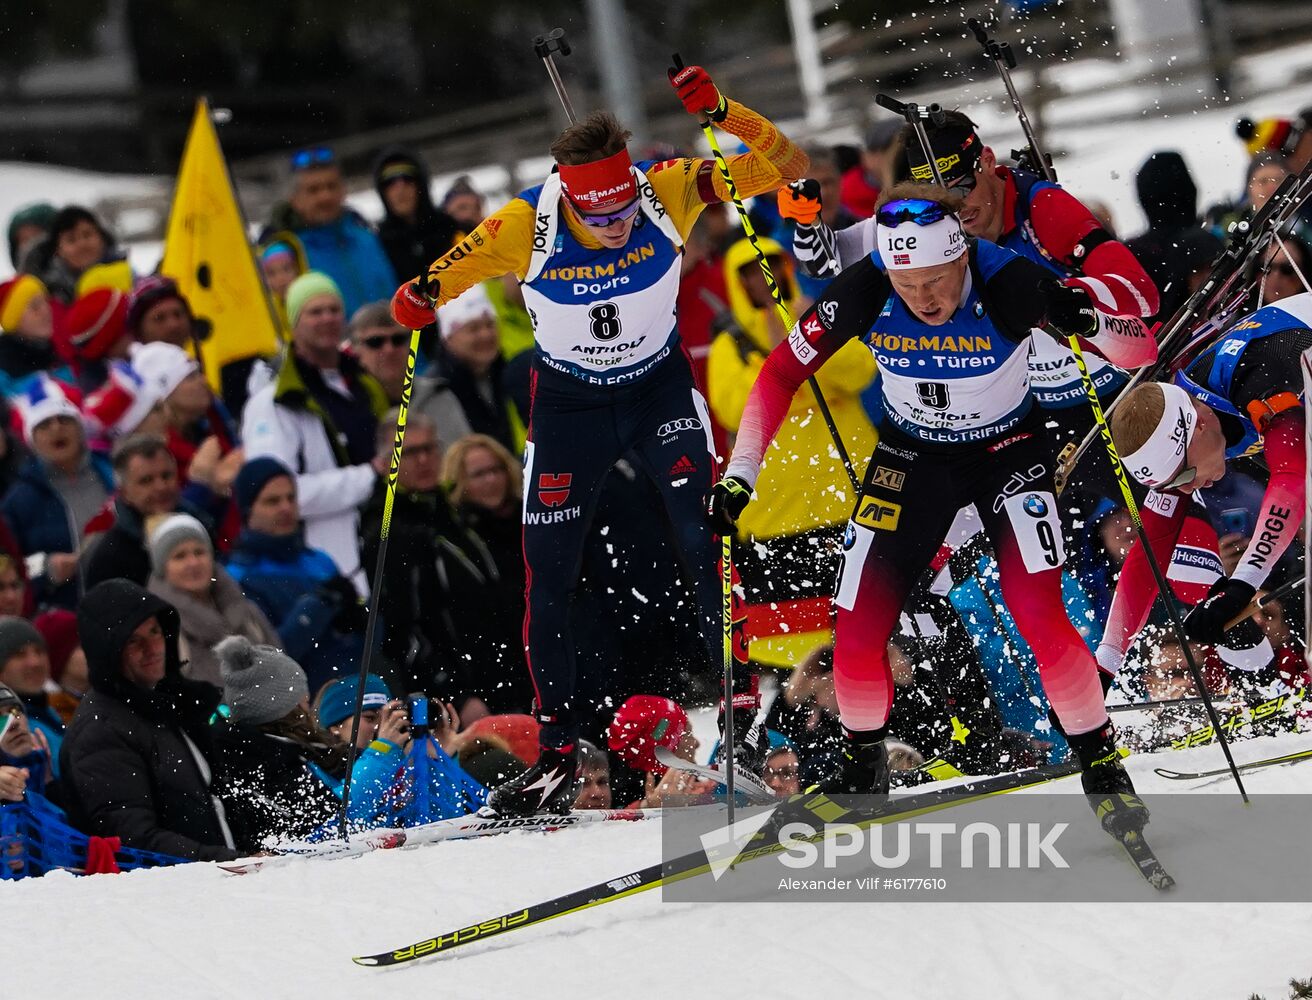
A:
(1145, 860)
(1288, 758)
(819, 808)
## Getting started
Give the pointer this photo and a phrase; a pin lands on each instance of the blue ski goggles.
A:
(921, 211)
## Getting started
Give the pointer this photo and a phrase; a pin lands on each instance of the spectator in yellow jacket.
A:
(789, 571)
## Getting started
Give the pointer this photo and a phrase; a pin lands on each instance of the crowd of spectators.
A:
(185, 560)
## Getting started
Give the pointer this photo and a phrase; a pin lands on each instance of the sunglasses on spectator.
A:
(921, 211)
(604, 221)
(317, 156)
(377, 343)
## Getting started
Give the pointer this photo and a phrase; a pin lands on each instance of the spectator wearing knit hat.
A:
(77, 242)
(336, 707)
(159, 313)
(60, 487)
(27, 326)
(138, 761)
(28, 227)
(26, 763)
(470, 360)
(319, 418)
(643, 723)
(68, 661)
(198, 428)
(96, 328)
(315, 610)
(125, 404)
(25, 668)
(280, 771)
(210, 605)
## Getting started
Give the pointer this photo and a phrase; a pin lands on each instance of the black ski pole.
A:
(1004, 60)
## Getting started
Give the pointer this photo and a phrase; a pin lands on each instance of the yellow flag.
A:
(206, 251)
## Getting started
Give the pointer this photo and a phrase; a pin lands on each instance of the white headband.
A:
(910, 245)
(1160, 457)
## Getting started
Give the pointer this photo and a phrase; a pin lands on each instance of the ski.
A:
(457, 828)
(819, 808)
(1288, 758)
(745, 783)
(1145, 860)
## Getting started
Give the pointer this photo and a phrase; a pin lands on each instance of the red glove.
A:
(411, 307)
(699, 93)
(800, 201)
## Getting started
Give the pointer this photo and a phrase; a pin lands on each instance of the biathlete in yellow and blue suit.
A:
(597, 250)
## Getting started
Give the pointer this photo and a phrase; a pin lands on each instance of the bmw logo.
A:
(1034, 505)
(849, 536)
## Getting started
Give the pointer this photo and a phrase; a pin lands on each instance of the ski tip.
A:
(369, 960)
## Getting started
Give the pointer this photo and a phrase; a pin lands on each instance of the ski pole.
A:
(376, 590)
(780, 306)
(1176, 624)
(545, 46)
(726, 616)
(916, 116)
(1004, 60)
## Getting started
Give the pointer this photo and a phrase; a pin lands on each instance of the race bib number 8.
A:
(1037, 528)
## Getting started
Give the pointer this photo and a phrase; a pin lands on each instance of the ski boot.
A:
(546, 788)
(751, 746)
(862, 769)
(1106, 782)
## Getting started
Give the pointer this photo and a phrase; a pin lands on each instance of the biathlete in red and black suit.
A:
(949, 322)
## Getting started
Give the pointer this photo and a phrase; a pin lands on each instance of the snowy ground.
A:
(196, 932)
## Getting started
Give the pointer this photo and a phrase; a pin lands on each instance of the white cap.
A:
(465, 308)
(1162, 455)
(162, 366)
(911, 245)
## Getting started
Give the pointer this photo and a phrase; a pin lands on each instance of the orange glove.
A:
(800, 201)
(414, 305)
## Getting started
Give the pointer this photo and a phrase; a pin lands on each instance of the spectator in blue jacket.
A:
(61, 487)
(313, 607)
(336, 240)
(26, 762)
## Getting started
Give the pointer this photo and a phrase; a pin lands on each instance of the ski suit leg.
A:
(901, 516)
(572, 444)
(670, 430)
(1017, 501)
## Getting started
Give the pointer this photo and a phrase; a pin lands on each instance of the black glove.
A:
(728, 498)
(1226, 600)
(1069, 309)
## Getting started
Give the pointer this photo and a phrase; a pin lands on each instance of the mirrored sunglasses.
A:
(918, 210)
(602, 221)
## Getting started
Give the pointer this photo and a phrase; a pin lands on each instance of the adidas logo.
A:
(683, 468)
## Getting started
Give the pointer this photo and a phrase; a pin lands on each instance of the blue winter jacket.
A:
(42, 522)
(350, 253)
(285, 578)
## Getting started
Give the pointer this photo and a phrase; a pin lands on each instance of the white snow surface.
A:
(290, 930)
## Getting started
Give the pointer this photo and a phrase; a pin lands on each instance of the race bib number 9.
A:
(1037, 527)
